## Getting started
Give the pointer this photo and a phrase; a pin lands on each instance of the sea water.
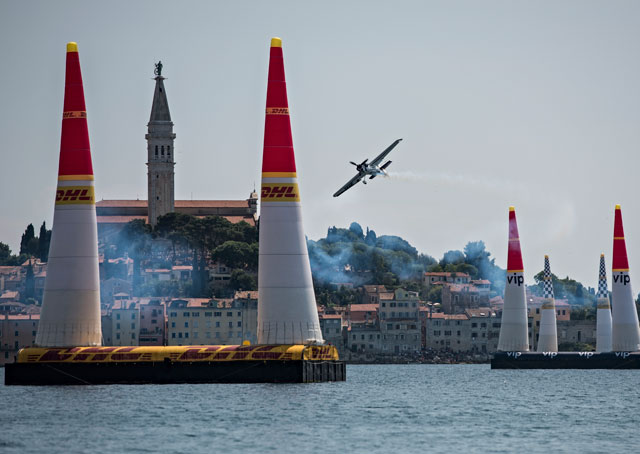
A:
(380, 408)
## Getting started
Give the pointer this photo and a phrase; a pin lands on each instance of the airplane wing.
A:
(350, 183)
(382, 155)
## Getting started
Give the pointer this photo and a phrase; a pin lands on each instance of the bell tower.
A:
(160, 153)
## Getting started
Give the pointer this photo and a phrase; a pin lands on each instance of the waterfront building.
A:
(203, 321)
(153, 316)
(474, 331)
(16, 332)
(331, 325)
(125, 323)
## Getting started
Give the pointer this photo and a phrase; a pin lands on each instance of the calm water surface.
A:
(384, 408)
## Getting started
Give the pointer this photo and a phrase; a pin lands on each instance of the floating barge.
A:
(184, 364)
(566, 360)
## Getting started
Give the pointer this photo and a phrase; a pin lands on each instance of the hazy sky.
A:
(532, 104)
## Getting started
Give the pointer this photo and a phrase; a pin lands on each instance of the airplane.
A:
(371, 169)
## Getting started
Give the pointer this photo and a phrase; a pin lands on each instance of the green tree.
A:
(44, 239)
(241, 280)
(5, 253)
(27, 236)
(237, 254)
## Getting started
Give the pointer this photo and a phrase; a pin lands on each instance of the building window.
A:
(118, 316)
(162, 150)
(117, 335)
(133, 326)
(217, 335)
(117, 325)
(156, 150)
(133, 335)
(173, 335)
(186, 324)
(180, 335)
(173, 314)
(185, 314)
(239, 324)
(230, 324)
(173, 325)
(186, 335)
(168, 150)
(195, 335)
(217, 324)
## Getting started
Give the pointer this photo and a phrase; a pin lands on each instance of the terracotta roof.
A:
(480, 312)
(124, 219)
(177, 203)
(386, 296)
(211, 203)
(363, 308)
(454, 288)
(330, 316)
(248, 294)
(9, 294)
(22, 317)
(182, 267)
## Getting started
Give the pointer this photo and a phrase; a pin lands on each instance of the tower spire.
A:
(160, 152)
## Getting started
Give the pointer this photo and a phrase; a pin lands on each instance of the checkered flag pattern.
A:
(548, 283)
(602, 280)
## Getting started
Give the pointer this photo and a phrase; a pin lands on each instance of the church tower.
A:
(160, 152)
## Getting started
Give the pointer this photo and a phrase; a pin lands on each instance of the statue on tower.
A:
(158, 70)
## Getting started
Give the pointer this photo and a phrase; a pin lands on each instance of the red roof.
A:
(363, 308)
(177, 203)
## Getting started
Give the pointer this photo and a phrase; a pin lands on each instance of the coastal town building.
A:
(16, 332)
(456, 298)
(475, 330)
(198, 321)
(125, 323)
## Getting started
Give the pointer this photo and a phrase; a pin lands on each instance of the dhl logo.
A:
(69, 195)
(277, 111)
(74, 114)
(280, 192)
